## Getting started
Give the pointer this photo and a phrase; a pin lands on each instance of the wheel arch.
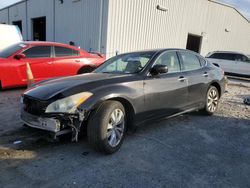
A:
(83, 68)
(129, 108)
(218, 87)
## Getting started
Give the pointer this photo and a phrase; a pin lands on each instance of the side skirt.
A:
(168, 117)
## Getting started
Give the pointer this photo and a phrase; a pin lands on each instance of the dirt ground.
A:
(191, 150)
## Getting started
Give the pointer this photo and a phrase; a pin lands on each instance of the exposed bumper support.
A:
(58, 125)
(48, 124)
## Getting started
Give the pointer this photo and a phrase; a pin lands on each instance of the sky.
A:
(242, 5)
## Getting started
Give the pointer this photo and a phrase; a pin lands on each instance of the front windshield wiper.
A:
(107, 72)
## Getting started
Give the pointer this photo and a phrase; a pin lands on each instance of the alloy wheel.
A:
(212, 100)
(115, 128)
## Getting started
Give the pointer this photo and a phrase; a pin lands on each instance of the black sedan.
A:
(127, 90)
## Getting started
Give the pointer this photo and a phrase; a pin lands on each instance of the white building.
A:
(126, 25)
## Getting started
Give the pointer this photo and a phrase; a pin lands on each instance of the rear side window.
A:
(242, 58)
(169, 59)
(65, 52)
(190, 61)
(38, 52)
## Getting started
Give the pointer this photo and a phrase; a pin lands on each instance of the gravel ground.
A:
(191, 150)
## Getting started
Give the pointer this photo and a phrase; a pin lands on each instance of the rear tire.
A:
(212, 101)
(107, 127)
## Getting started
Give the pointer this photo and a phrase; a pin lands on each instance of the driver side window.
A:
(38, 52)
(169, 59)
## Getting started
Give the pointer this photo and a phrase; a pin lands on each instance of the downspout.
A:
(54, 20)
(26, 17)
(100, 26)
(9, 15)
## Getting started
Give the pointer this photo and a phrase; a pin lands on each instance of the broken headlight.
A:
(68, 104)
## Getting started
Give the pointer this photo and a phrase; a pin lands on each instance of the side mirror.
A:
(158, 69)
(19, 56)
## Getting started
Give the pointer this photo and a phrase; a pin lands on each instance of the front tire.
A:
(212, 101)
(107, 127)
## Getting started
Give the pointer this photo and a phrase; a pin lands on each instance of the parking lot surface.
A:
(191, 150)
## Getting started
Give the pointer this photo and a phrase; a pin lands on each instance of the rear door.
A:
(166, 94)
(41, 62)
(227, 61)
(197, 76)
(66, 61)
(243, 64)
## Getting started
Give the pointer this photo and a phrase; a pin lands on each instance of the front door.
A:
(40, 61)
(165, 94)
(242, 65)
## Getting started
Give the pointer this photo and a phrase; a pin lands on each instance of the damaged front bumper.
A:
(58, 124)
(48, 124)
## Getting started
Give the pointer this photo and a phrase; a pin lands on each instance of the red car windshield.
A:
(6, 52)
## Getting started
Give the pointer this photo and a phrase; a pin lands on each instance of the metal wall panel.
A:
(4, 16)
(41, 8)
(137, 24)
(81, 22)
(18, 13)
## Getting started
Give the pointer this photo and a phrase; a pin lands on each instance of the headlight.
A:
(68, 104)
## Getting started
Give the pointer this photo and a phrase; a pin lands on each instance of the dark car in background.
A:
(127, 90)
(233, 63)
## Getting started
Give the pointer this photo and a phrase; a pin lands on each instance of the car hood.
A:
(66, 86)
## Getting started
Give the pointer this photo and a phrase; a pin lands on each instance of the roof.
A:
(226, 52)
(50, 43)
(43, 42)
(13, 4)
(213, 1)
(160, 50)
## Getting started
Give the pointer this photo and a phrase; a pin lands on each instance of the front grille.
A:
(34, 106)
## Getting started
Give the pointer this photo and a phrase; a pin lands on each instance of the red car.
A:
(46, 60)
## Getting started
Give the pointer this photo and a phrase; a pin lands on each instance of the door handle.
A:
(77, 61)
(182, 78)
(49, 63)
(205, 74)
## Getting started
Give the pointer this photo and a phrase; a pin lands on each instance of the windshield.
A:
(6, 52)
(126, 64)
